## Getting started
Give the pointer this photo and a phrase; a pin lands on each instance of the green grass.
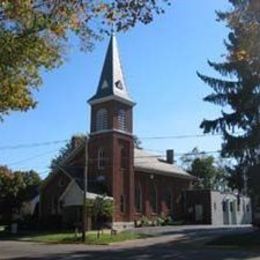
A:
(248, 240)
(69, 237)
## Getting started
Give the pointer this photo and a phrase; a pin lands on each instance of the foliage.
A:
(101, 207)
(15, 188)
(144, 221)
(254, 180)
(137, 142)
(34, 35)
(244, 18)
(74, 142)
(235, 179)
(206, 172)
(238, 89)
(211, 172)
(158, 221)
(188, 158)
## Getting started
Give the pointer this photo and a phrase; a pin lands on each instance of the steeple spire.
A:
(112, 84)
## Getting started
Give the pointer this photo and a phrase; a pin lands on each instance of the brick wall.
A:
(50, 194)
(118, 181)
(162, 184)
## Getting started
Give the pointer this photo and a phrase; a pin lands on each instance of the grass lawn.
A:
(249, 240)
(69, 237)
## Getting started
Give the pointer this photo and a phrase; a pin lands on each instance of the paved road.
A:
(167, 246)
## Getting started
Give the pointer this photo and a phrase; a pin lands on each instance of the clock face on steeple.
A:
(119, 84)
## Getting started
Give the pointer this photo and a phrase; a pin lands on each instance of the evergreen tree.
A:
(238, 90)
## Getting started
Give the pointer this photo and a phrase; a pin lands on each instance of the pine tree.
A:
(238, 92)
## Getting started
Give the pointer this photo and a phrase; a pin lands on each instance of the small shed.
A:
(216, 208)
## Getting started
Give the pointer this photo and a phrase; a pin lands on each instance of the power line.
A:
(32, 145)
(31, 158)
(48, 143)
(178, 136)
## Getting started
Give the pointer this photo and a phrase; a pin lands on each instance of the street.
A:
(179, 244)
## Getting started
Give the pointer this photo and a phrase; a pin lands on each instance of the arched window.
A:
(101, 159)
(138, 198)
(122, 203)
(122, 120)
(168, 199)
(123, 157)
(101, 119)
(153, 199)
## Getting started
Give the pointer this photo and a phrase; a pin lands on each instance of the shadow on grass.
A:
(29, 235)
(69, 237)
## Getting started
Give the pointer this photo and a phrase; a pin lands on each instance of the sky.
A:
(159, 60)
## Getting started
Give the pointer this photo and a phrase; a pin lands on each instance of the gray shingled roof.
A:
(143, 162)
(112, 83)
(150, 163)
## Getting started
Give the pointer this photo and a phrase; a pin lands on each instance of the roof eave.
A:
(127, 101)
(166, 173)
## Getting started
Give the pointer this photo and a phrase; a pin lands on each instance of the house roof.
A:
(150, 163)
(112, 83)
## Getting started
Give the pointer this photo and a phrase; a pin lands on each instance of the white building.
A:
(216, 208)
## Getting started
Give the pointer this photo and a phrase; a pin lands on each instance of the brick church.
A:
(140, 183)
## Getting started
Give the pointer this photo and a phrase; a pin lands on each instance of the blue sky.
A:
(160, 61)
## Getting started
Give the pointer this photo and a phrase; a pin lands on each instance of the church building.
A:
(139, 183)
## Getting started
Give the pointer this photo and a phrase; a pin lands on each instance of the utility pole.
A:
(85, 189)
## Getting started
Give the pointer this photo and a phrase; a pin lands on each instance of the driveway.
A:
(179, 244)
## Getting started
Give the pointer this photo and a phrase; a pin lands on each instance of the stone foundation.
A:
(122, 225)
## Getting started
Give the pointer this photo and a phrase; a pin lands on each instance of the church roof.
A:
(149, 163)
(112, 83)
(143, 162)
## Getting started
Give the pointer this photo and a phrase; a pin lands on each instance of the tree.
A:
(34, 36)
(15, 188)
(188, 158)
(210, 176)
(238, 89)
(245, 18)
(67, 149)
(137, 142)
(101, 209)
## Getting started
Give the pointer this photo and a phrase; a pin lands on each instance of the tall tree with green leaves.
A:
(237, 91)
(34, 36)
(16, 188)
(209, 175)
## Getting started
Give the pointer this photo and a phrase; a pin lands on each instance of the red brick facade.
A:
(50, 195)
(168, 195)
(118, 148)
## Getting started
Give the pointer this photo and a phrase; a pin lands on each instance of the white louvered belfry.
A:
(101, 119)
(122, 120)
